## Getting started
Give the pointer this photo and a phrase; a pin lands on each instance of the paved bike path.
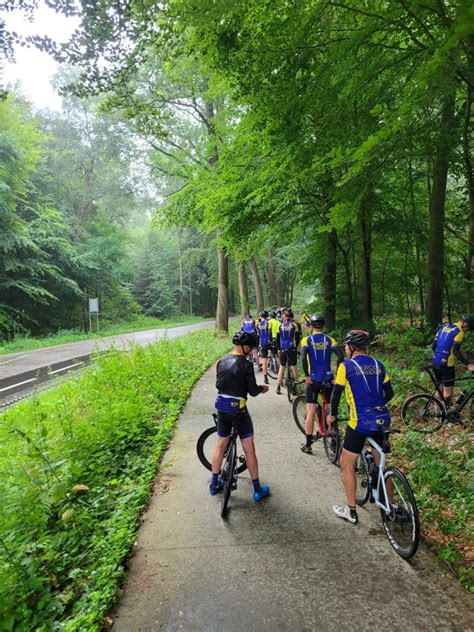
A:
(285, 564)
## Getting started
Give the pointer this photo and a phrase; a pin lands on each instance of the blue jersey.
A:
(363, 378)
(263, 331)
(248, 325)
(319, 348)
(287, 333)
(444, 342)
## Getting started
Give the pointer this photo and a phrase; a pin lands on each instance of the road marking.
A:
(7, 388)
(65, 368)
(13, 359)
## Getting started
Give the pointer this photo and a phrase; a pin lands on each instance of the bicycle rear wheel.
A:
(205, 447)
(331, 442)
(273, 367)
(402, 525)
(227, 477)
(362, 480)
(299, 412)
(424, 413)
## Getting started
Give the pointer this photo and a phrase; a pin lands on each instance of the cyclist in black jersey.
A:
(235, 381)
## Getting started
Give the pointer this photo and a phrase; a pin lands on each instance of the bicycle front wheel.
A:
(331, 442)
(424, 413)
(402, 524)
(227, 477)
(362, 480)
(205, 447)
(299, 412)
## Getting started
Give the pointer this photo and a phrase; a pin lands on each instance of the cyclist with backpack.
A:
(368, 390)
(235, 381)
(316, 351)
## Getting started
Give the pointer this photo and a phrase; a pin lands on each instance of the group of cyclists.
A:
(361, 377)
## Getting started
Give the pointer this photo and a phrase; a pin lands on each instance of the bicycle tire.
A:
(332, 443)
(289, 391)
(423, 413)
(363, 483)
(227, 476)
(273, 367)
(203, 449)
(402, 526)
(299, 412)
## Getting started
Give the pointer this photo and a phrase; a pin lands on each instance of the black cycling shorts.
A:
(354, 440)
(444, 374)
(290, 356)
(312, 391)
(263, 351)
(243, 420)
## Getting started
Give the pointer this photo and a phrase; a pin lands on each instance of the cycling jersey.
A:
(366, 384)
(274, 327)
(444, 342)
(263, 331)
(248, 325)
(317, 349)
(236, 378)
(288, 336)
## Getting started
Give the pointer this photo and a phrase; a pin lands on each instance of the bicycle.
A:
(205, 448)
(293, 387)
(426, 413)
(390, 491)
(331, 436)
(273, 363)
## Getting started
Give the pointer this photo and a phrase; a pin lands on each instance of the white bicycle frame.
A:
(380, 480)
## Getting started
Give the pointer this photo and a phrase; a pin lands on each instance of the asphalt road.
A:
(286, 564)
(25, 371)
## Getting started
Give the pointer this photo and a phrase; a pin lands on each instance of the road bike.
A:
(427, 412)
(330, 435)
(388, 488)
(293, 387)
(205, 447)
(273, 363)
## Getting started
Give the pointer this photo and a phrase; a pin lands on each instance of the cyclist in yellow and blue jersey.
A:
(274, 326)
(264, 340)
(368, 390)
(288, 339)
(447, 347)
(316, 350)
(248, 325)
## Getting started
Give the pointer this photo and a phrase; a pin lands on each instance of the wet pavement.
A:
(285, 564)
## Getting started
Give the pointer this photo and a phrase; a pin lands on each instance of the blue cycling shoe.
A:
(258, 496)
(215, 489)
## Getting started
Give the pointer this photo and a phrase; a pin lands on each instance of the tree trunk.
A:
(190, 291)
(434, 307)
(466, 142)
(222, 312)
(421, 298)
(258, 284)
(365, 219)
(243, 289)
(180, 264)
(328, 280)
(272, 283)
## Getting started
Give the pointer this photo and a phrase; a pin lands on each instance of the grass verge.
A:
(25, 343)
(76, 470)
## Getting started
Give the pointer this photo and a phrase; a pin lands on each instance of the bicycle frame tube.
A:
(380, 480)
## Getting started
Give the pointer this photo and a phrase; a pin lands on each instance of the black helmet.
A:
(289, 313)
(264, 314)
(317, 320)
(273, 314)
(469, 320)
(244, 338)
(357, 338)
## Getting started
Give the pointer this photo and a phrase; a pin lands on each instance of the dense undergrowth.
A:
(76, 468)
(27, 343)
(440, 465)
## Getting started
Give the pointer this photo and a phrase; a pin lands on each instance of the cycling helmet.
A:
(242, 338)
(357, 338)
(469, 320)
(289, 313)
(263, 314)
(317, 320)
(273, 314)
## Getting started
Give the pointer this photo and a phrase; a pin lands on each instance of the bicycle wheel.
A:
(331, 443)
(299, 412)
(205, 447)
(227, 476)
(273, 367)
(362, 480)
(289, 389)
(424, 413)
(402, 525)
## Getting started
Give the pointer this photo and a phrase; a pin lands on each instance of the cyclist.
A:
(235, 381)
(368, 390)
(248, 325)
(288, 338)
(316, 352)
(446, 347)
(274, 325)
(263, 332)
